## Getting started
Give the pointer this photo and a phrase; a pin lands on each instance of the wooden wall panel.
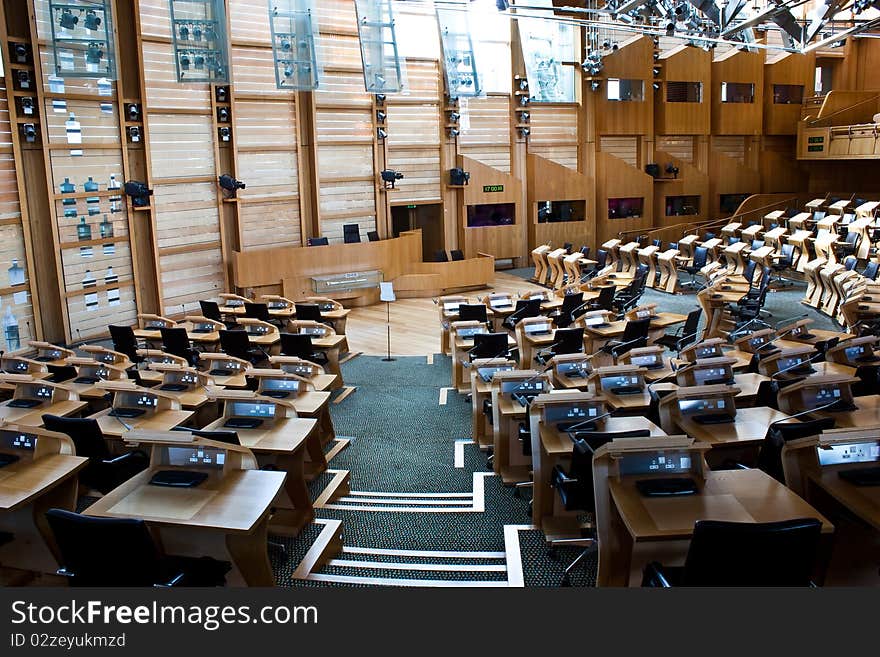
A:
(155, 19)
(633, 61)
(337, 16)
(188, 277)
(787, 69)
(99, 126)
(554, 133)
(249, 21)
(616, 179)
(265, 225)
(253, 71)
(181, 145)
(732, 147)
(422, 170)
(681, 147)
(623, 148)
(270, 173)
(162, 88)
(262, 123)
(684, 64)
(485, 131)
(738, 118)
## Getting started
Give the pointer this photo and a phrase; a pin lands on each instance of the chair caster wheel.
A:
(565, 582)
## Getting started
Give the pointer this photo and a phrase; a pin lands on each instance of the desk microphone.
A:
(468, 363)
(806, 412)
(605, 348)
(796, 366)
(669, 375)
(125, 425)
(685, 337)
(791, 320)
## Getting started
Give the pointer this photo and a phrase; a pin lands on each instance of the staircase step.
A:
(433, 567)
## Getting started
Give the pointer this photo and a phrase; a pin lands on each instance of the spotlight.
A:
(655, 86)
(197, 33)
(524, 100)
(381, 133)
(199, 61)
(459, 177)
(381, 116)
(29, 131)
(20, 51)
(92, 21)
(389, 177)
(222, 115)
(671, 168)
(224, 133)
(454, 117)
(288, 71)
(68, 21)
(380, 99)
(94, 54)
(454, 132)
(133, 111)
(595, 85)
(221, 94)
(670, 29)
(27, 105)
(230, 184)
(285, 45)
(23, 78)
(134, 134)
(524, 131)
(524, 117)
(184, 62)
(138, 192)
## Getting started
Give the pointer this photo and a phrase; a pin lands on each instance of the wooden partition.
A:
(289, 270)
(784, 74)
(615, 179)
(729, 172)
(734, 118)
(632, 61)
(683, 64)
(490, 186)
(549, 181)
(691, 183)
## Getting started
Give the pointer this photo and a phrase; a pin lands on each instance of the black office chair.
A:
(489, 345)
(175, 341)
(211, 310)
(134, 560)
(300, 346)
(125, 343)
(756, 244)
(868, 383)
(318, 241)
(524, 308)
(672, 245)
(744, 554)
(456, 254)
(685, 336)
(572, 307)
(575, 489)
(260, 311)
(784, 262)
(848, 246)
(708, 236)
(601, 263)
(733, 240)
(871, 270)
(780, 433)
(373, 236)
(351, 233)
(310, 312)
(440, 256)
(605, 300)
(749, 271)
(474, 312)
(237, 344)
(61, 373)
(585, 251)
(629, 297)
(701, 257)
(565, 341)
(635, 335)
(103, 472)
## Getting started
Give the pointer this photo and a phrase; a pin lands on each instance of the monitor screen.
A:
(644, 361)
(577, 368)
(853, 453)
(537, 327)
(259, 329)
(712, 375)
(18, 440)
(852, 353)
(754, 343)
(522, 387)
(710, 351)
(790, 363)
(693, 406)
(491, 214)
(196, 456)
(252, 409)
(594, 320)
(820, 396)
(673, 462)
(556, 413)
(626, 380)
(43, 392)
(280, 384)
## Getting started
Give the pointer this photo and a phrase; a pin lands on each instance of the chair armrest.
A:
(654, 576)
(174, 581)
(559, 478)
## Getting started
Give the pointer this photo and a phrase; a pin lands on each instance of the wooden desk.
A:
(750, 427)
(330, 345)
(230, 520)
(867, 415)
(284, 442)
(29, 488)
(643, 529)
(164, 420)
(552, 448)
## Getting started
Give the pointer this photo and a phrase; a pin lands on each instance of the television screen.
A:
(491, 214)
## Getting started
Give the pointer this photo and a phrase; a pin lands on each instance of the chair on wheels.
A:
(628, 298)
(310, 312)
(849, 245)
(700, 259)
(779, 433)
(601, 263)
(489, 345)
(744, 554)
(605, 299)
(456, 254)
(575, 489)
(238, 345)
(565, 341)
(684, 336)
(871, 270)
(635, 335)
(125, 343)
(782, 263)
(300, 346)
(175, 341)
(134, 560)
(211, 310)
(103, 472)
(572, 306)
(524, 308)
(474, 312)
(351, 233)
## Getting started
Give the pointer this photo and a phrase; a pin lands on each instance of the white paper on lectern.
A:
(386, 292)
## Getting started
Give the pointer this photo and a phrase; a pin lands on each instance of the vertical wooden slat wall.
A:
(182, 172)
(90, 225)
